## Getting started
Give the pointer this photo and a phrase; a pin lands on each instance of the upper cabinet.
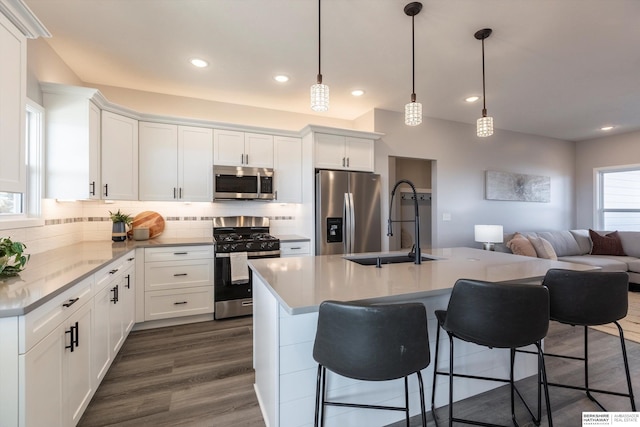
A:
(343, 152)
(287, 165)
(176, 162)
(13, 75)
(119, 157)
(73, 144)
(233, 148)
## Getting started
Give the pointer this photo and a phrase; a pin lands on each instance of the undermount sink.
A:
(385, 259)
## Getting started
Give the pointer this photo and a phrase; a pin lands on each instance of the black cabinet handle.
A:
(73, 340)
(114, 271)
(106, 190)
(179, 274)
(92, 192)
(128, 285)
(70, 302)
(180, 193)
(180, 253)
(130, 259)
(115, 294)
(179, 303)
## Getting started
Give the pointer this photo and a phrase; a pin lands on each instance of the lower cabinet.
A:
(55, 374)
(114, 305)
(178, 281)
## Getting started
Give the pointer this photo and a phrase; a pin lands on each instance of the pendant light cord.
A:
(413, 60)
(319, 44)
(484, 97)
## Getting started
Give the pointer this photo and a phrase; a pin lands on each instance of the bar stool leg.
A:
(543, 371)
(318, 382)
(450, 380)
(626, 366)
(422, 405)
(435, 375)
(406, 400)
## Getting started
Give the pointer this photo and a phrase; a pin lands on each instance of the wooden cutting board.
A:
(151, 220)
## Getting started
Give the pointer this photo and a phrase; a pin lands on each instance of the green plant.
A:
(121, 217)
(12, 257)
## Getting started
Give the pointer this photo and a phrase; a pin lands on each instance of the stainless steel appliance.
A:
(237, 239)
(243, 183)
(347, 212)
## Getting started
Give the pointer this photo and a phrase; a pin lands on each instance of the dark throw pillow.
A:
(609, 244)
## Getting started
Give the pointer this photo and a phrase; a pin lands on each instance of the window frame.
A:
(31, 215)
(600, 210)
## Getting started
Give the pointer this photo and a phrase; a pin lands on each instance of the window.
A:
(619, 198)
(18, 209)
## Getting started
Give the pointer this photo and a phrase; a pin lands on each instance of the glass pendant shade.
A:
(485, 126)
(413, 114)
(319, 97)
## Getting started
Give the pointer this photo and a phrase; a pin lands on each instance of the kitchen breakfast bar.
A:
(286, 296)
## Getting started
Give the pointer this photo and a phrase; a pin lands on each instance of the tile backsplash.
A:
(71, 222)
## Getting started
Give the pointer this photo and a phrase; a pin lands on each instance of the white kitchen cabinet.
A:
(13, 77)
(178, 281)
(233, 148)
(72, 143)
(295, 248)
(119, 157)
(176, 162)
(287, 166)
(114, 305)
(344, 152)
(55, 370)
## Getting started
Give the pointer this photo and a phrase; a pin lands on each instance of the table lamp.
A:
(488, 235)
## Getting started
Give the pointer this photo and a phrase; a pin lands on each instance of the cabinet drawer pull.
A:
(179, 303)
(114, 271)
(70, 302)
(130, 259)
(181, 253)
(296, 248)
(179, 274)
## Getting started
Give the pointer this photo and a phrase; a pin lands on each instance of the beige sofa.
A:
(575, 246)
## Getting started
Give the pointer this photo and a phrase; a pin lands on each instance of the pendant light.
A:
(319, 91)
(485, 123)
(413, 110)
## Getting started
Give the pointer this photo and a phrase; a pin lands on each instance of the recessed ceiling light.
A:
(357, 92)
(606, 128)
(200, 63)
(472, 98)
(281, 78)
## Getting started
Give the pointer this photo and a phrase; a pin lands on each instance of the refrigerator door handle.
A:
(352, 224)
(346, 214)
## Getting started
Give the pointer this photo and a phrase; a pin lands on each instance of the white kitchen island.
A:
(286, 296)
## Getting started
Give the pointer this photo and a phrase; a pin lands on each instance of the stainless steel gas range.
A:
(236, 240)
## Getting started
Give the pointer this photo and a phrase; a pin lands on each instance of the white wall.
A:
(616, 150)
(461, 160)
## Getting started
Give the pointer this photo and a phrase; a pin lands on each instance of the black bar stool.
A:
(589, 298)
(371, 342)
(495, 315)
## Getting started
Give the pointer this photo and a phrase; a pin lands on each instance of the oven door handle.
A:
(253, 255)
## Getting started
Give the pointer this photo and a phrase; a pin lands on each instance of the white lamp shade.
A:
(488, 233)
(485, 126)
(319, 97)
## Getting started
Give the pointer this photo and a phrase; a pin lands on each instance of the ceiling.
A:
(558, 68)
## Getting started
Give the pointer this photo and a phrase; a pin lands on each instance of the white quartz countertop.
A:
(300, 284)
(50, 273)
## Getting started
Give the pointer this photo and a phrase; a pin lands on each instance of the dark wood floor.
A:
(201, 375)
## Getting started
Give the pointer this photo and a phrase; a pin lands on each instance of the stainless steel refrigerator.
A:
(347, 212)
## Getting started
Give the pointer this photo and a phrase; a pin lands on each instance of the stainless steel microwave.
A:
(242, 183)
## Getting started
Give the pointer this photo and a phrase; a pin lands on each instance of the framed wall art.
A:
(517, 187)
